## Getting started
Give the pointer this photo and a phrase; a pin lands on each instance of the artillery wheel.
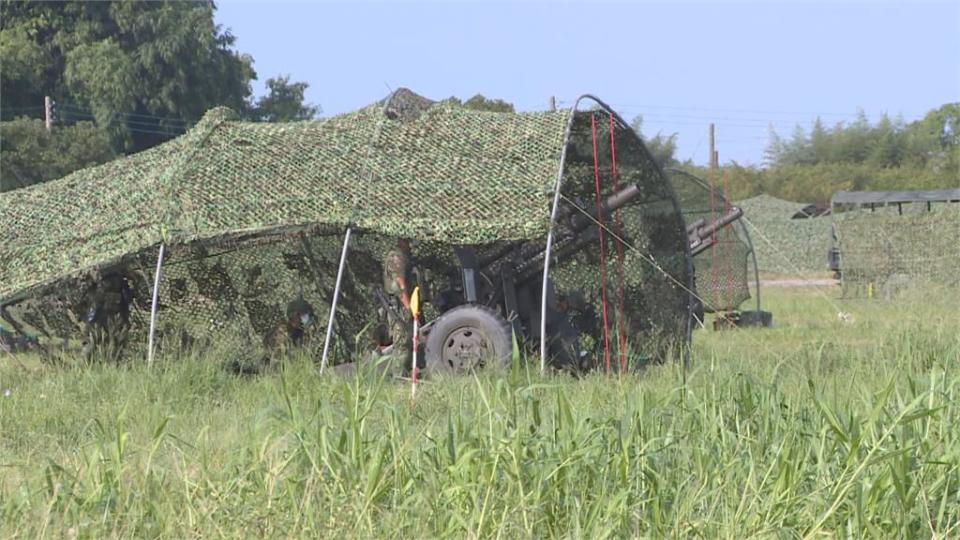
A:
(466, 338)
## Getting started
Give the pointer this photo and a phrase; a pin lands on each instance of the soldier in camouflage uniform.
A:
(107, 318)
(292, 332)
(396, 284)
(300, 317)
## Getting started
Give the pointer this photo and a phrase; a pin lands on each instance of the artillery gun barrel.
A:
(610, 205)
(692, 228)
(578, 223)
(702, 234)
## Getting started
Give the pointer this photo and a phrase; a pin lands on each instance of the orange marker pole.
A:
(415, 309)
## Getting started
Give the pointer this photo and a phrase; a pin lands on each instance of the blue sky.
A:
(743, 66)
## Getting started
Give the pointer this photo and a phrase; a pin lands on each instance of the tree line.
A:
(889, 154)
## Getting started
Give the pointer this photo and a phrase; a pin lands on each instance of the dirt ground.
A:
(798, 282)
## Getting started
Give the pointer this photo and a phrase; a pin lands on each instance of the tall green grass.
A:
(817, 427)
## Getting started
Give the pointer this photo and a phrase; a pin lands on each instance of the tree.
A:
(284, 102)
(662, 148)
(481, 103)
(776, 148)
(852, 143)
(137, 68)
(819, 142)
(142, 71)
(934, 141)
(31, 154)
(886, 150)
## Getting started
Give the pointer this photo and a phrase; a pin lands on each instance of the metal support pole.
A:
(153, 305)
(543, 293)
(333, 303)
(553, 220)
(47, 112)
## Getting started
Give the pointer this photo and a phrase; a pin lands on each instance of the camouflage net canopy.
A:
(886, 247)
(253, 216)
(723, 272)
(785, 245)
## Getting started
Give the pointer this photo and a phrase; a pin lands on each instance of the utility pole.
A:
(552, 104)
(713, 149)
(48, 111)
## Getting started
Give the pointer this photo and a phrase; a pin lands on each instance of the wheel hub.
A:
(466, 348)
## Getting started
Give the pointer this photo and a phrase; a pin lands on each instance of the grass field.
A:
(818, 427)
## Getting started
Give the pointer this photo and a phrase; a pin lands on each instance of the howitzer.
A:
(497, 296)
(584, 230)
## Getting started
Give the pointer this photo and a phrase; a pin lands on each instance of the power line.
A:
(83, 110)
(747, 111)
(34, 108)
(132, 125)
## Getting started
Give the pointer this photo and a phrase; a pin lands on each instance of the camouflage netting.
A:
(784, 245)
(723, 272)
(888, 248)
(652, 279)
(253, 217)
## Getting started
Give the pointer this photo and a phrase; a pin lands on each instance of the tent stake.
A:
(153, 305)
(333, 303)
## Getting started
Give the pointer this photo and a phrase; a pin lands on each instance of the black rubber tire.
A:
(465, 325)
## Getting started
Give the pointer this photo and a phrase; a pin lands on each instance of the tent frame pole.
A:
(333, 303)
(153, 304)
(553, 219)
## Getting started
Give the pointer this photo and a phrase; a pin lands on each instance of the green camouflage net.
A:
(449, 174)
(253, 217)
(785, 245)
(888, 248)
(723, 271)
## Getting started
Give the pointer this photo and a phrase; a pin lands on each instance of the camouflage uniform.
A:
(396, 265)
(107, 318)
(293, 332)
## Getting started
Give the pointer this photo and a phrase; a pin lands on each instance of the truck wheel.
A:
(467, 338)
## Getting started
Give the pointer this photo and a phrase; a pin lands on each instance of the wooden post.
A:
(713, 148)
(48, 112)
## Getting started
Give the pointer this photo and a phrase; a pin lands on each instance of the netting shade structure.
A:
(785, 245)
(226, 178)
(723, 273)
(891, 240)
(252, 214)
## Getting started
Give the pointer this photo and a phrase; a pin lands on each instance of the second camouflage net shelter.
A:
(890, 240)
(784, 244)
(252, 217)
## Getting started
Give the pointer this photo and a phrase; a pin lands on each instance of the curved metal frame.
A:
(553, 218)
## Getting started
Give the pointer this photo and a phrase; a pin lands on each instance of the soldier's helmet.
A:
(300, 312)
